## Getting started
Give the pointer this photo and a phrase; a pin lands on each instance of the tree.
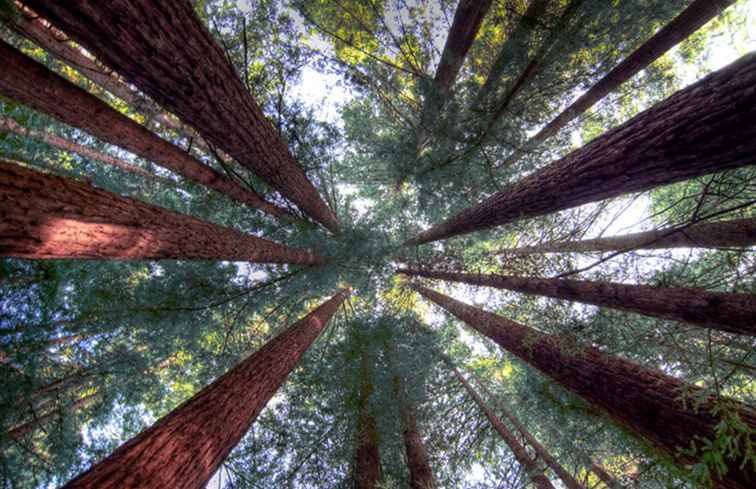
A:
(643, 401)
(720, 310)
(45, 216)
(735, 233)
(368, 473)
(421, 475)
(698, 13)
(74, 106)
(695, 132)
(531, 466)
(184, 448)
(212, 100)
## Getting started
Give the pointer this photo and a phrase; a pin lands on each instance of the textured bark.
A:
(418, 464)
(644, 401)
(702, 129)
(66, 145)
(368, 473)
(165, 51)
(185, 447)
(531, 466)
(737, 233)
(695, 16)
(605, 476)
(32, 84)
(726, 311)
(45, 216)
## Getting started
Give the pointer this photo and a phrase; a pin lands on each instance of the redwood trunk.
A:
(368, 473)
(737, 233)
(418, 464)
(187, 73)
(535, 473)
(644, 401)
(65, 145)
(702, 129)
(605, 476)
(44, 216)
(184, 448)
(726, 311)
(32, 84)
(19, 431)
(695, 16)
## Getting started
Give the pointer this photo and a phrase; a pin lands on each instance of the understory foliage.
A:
(135, 339)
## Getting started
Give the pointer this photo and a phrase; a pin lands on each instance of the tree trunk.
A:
(737, 233)
(187, 73)
(569, 481)
(368, 473)
(605, 476)
(421, 475)
(65, 145)
(44, 216)
(32, 84)
(695, 16)
(644, 401)
(19, 431)
(185, 447)
(702, 129)
(531, 466)
(726, 311)
(467, 20)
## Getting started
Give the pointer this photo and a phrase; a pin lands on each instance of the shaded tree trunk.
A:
(605, 476)
(726, 311)
(644, 401)
(737, 233)
(44, 216)
(531, 466)
(368, 473)
(185, 447)
(19, 431)
(32, 84)
(699, 130)
(418, 464)
(695, 16)
(66, 145)
(188, 74)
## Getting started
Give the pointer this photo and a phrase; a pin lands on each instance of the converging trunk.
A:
(702, 129)
(726, 311)
(188, 74)
(44, 216)
(418, 464)
(185, 447)
(32, 84)
(368, 473)
(644, 401)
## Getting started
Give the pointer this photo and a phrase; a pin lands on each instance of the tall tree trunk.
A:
(605, 476)
(45, 216)
(695, 16)
(737, 233)
(531, 466)
(66, 145)
(368, 473)
(726, 311)
(185, 447)
(187, 73)
(569, 481)
(644, 401)
(418, 464)
(32, 84)
(467, 21)
(701, 129)
(19, 431)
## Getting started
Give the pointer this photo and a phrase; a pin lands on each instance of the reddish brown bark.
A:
(702, 129)
(368, 473)
(726, 311)
(695, 16)
(644, 401)
(66, 145)
(32, 84)
(418, 464)
(737, 233)
(20, 430)
(605, 476)
(531, 466)
(45, 216)
(187, 73)
(185, 447)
